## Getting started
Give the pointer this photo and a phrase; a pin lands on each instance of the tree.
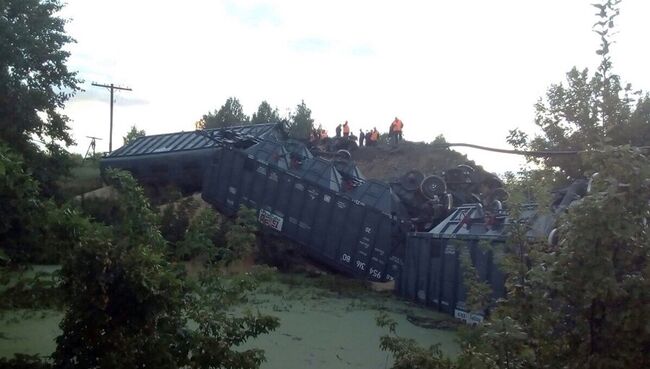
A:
(590, 110)
(20, 206)
(240, 236)
(301, 123)
(583, 302)
(265, 114)
(35, 83)
(133, 134)
(601, 277)
(230, 114)
(199, 239)
(136, 305)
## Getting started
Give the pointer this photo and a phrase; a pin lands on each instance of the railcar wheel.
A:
(433, 186)
(344, 154)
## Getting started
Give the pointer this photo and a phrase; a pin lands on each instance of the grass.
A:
(83, 178)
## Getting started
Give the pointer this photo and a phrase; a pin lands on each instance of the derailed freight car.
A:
(180, 158)
(354, 225)
(433, 270)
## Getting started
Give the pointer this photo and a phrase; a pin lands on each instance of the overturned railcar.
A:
(180, 158)
(472, 236)
(435, 261)
(412, 229)
(354, 225)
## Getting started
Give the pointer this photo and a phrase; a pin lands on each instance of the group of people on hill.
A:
(369, 138)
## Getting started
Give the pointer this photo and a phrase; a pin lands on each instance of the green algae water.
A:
(329, 328)
(29, 332)
(324, 323)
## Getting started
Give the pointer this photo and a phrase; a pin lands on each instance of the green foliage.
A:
(138, 223)
(300, 123)
(589, 110)
(161, 195)
(240, 236)
(601, 273)
(265, 114)
(27, 220)
(174, 221)
(439, 140)
(133, 134)
(408, 354)
(230, 114)
(280, 253)
(35, 83)
(530, 186)
(102, 210)
(135, 306)
(584, 303)
(479, 292)
(20, 206)
(199, 240)
(502, 345)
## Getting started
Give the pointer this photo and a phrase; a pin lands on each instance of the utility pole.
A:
(111, 87)
(91, 146)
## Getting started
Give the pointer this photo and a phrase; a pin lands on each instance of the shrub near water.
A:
(128, 306)
(582, 304)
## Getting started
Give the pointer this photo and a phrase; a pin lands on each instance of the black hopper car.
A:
(408, 229)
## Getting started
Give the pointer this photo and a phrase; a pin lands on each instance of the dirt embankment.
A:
(387, 162)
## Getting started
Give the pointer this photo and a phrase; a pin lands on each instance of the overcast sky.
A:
(468, 69)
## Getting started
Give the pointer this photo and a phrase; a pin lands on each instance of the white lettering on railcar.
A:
(375, 273)
(468, 318)
(270, 220)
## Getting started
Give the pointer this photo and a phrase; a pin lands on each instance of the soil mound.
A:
(386, 162)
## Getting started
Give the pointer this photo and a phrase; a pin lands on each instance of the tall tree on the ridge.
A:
(132, 134)
(265, 114)
(587, 110)
(230, 114)
(301, 123)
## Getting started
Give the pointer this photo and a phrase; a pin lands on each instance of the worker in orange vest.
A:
(346, 129)
(396, 130)
(374, 136)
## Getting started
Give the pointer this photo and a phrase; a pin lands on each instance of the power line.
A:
(537, 154)
(111, 87)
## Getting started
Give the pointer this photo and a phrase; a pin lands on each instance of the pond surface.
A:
(322, 325)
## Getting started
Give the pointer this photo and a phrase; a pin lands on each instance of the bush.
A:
(201, 236)
(136, 305)
(175, 220)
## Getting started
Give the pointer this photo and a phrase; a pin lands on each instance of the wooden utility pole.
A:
(92, 145)
(111, 87)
